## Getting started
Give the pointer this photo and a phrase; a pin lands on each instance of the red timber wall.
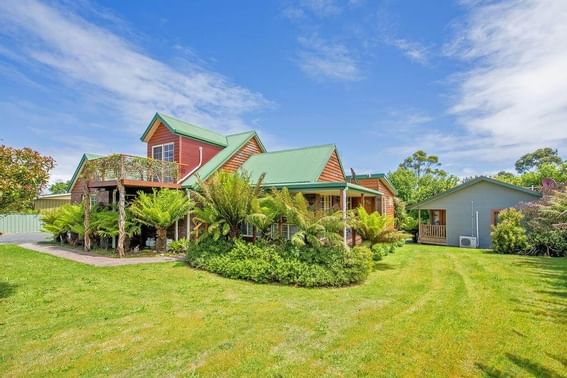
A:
(333, 171)
(186, 150)
(387, 198)
(252, 147)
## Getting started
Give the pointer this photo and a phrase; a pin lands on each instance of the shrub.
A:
(284, 263)
(179, 246)
(509, 236)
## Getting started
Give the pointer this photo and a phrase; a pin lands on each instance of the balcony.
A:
(432, 234)
(134, 171)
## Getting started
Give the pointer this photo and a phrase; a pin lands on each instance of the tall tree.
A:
(419, 177)
(24, 173)
(536, 159)
(421, 163)
(58, 187)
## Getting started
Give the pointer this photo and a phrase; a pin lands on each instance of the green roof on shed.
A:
(301, 165)
(234, 143)
(187, 129)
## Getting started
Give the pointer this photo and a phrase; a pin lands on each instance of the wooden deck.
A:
(432, 234)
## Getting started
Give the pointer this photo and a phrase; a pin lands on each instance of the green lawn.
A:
(425, 311)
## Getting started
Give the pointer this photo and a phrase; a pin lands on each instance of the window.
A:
(494, 215)
(157, 152)
(163, 152)
(327, 202)
(246, 229)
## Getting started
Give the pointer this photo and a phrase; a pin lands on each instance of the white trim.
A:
(194, 169)
(162, 150)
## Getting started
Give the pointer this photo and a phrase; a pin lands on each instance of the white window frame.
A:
(163, 151)
(248, 230)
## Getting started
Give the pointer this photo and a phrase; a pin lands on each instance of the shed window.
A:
(494, 216)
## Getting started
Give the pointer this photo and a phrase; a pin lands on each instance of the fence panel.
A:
(18, 223)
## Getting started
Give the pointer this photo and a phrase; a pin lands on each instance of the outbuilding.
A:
(463, 215)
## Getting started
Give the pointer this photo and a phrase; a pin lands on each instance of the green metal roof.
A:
(323, 186)
(234, 143)
(186, 129)
(380, 176)
(86, 156)
(472, 182)
(302, 165)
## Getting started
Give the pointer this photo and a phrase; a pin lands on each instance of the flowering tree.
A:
(24, 173)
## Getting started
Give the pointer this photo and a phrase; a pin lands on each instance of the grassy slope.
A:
(433, 310)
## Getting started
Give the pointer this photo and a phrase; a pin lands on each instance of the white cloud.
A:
(513, 98)
(415, 51)
(118, 72)
(325, 60)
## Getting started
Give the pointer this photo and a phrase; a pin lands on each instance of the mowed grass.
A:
(425, 311)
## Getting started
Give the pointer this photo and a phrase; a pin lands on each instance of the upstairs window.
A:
(163, 152)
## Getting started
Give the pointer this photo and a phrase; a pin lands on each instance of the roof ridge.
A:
(189, 123)
(301, 148)
(241, 133)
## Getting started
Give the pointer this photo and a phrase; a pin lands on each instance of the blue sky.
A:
(478, 83)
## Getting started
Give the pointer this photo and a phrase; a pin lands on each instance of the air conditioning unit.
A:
(467, 242)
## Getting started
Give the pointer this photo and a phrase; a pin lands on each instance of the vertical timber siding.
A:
(333, 171)
(250, 148)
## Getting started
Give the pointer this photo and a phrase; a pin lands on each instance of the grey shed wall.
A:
(482, 197)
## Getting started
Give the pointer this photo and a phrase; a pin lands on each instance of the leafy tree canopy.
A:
(536, 159)
(24, 173)
(421, 163)
(419, 177)
(59, 187)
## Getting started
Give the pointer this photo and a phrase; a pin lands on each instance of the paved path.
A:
(89, 259)
(24, 237)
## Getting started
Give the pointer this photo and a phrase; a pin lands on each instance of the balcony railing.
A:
(433, 234)
(134, 168)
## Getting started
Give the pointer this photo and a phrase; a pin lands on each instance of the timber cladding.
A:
(333, 172)
(387, 198)
(252, 147)
(186, 150)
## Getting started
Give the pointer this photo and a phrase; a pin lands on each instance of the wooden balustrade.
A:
(432, 234)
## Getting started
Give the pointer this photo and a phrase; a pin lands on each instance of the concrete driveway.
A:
(24, 237)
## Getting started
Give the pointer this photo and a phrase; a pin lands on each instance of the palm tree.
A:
(314, 228)
(160, 209)
(373, 227)
(227, 199)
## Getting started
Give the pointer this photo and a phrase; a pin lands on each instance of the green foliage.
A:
(421, 163)
(104, 223)
(160, 209)
(59, 187)
(419, 177)
(225, 201)
(535, 160)
(63, 220)
(509, 236)
(283, 263)
(547, 224)
(23, 175)
(179, 246)
(374, 228)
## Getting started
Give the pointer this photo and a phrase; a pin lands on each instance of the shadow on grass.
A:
(530, 367)
(383, 266)
(7, 289)
(550, 303)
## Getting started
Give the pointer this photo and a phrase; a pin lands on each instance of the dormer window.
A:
(163, 152)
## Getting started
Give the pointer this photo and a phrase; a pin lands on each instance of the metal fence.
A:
(18, 223)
